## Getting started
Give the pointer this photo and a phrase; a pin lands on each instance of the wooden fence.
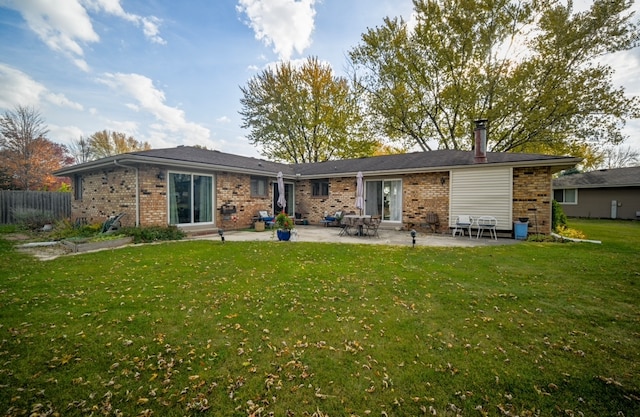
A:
(55, 203)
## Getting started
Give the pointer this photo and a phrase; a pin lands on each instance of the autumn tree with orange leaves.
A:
(28, 158)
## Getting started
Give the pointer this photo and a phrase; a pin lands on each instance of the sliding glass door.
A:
(384, 198)
(289, 197)
(190, 198)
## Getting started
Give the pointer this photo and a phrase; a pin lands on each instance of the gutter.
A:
(115, 162)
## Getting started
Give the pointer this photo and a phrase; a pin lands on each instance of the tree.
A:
(27, 156)
(304, 114)
(619, 157)
(462, 62)
(106, 143)
(80, 150)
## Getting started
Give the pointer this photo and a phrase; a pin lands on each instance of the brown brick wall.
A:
(153, 196)
(106, 193)
(422, 194)
(532, 197)
(235, 189)
(342, 197)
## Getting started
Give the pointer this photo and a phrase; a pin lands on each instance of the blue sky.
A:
(169, 72)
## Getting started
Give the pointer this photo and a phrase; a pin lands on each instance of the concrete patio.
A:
(387, 237)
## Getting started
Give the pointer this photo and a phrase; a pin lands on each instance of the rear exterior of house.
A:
(601, 194)
(203, 190)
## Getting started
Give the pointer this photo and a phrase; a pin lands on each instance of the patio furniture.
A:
(358, 222)
(487, 223)
(463, 222)
(372, 226)
(335, 219)
(264, 216)
(345, 225)
(433, 222)
(298, 218)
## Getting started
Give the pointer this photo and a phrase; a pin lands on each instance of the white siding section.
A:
(482, 192)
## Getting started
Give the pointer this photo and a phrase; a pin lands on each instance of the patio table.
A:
(357, 220)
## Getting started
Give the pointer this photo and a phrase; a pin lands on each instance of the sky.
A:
(169, 72)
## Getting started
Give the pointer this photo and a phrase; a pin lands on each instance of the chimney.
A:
(480, 133)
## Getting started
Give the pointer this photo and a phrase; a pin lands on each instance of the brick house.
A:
(200, 189)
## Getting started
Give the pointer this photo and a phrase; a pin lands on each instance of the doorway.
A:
(289, 197)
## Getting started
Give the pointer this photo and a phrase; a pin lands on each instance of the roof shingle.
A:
(617, 177)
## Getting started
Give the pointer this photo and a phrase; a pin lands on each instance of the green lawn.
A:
(306, 329)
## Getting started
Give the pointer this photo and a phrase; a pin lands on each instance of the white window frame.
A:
(399, 206)
(192, 197)
(564, 195)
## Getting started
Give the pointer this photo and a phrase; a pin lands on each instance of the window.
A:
(190, 198)
(320, 188)
(259, 187)
(568, 196)
(77, 187)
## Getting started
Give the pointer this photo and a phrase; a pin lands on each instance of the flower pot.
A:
(284, 234)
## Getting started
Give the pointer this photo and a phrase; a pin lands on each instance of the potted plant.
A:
(284, 224)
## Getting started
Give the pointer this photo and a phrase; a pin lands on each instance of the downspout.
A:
(137, 189)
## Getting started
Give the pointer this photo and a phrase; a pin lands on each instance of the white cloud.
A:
(151, 29)
(170, 121)
(61, 101)
(64, 134)
(67, 27)
(150, 24)
(18, 89)
(285, 24)
(223, 119)
(61, 28)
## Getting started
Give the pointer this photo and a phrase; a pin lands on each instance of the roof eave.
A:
(139, 159)
(557, 165)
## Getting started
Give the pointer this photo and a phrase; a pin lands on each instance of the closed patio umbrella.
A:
(282, 201)
(359, 192)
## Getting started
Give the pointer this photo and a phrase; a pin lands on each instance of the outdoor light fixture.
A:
(221, 233)
(413, 237)
(160, 175)
(443, 180)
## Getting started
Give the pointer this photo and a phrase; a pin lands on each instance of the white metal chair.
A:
(487, 223)
(463, 222)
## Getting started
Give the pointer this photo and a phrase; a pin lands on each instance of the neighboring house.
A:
(200, 189)
(606, 193)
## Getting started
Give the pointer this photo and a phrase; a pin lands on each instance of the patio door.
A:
(289, 196)
(384, 198)
(190, 198)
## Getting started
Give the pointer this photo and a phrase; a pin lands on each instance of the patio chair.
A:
(334, 220)
(487, 223)
(299, 218)
(372, 225)
(463, 222)
(433, 222)
(264, 216)
(345, 226)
